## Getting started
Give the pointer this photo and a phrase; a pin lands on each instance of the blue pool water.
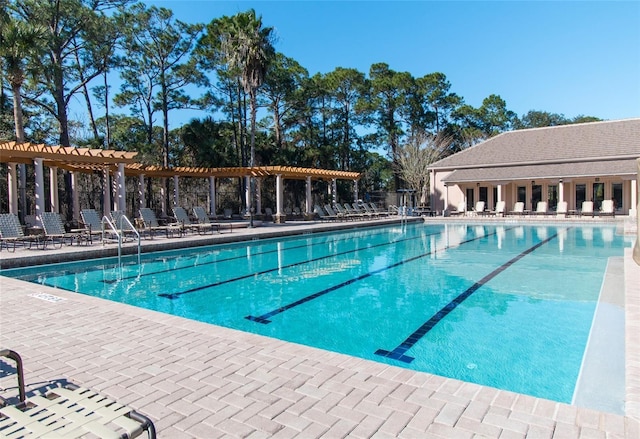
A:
(507, 306)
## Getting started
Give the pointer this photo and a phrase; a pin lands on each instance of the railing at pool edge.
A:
(120, 236)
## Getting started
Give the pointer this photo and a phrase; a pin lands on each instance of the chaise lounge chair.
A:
(185, 222)
(70, 411)
(152, 225)
(55, 233)
(203, 218)
(587, 208)
(518, 209)
(93, 224)
(607, 208)
(479, 208)
(11, 232)
(500, 208)
(561, 210)
(461, 209)
(541, 208)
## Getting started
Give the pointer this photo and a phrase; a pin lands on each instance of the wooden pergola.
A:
(118, 164)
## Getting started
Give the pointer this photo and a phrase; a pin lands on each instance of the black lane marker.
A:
(136, 276)
(264, 318)
(398, 352)
(270, 270)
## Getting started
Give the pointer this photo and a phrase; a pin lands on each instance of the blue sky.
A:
(567, 57)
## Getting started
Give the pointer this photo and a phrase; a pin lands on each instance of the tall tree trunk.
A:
(22, 168)
(107, 139)
(85, 92)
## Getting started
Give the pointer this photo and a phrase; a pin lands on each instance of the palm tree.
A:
(248, 49)
(19, 40)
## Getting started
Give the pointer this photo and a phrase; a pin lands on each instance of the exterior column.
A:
(176, 191)
(122, 190)
(279, 217)
(334, 192)
(247, 194)
(258, 184)
(12, 187)
(560, 191)
(53, 189)
(634, 196)
(106, 192)
(635, 188)
(308, 195)
(22, 188)
(445, 211)
(39, 176)
(163, 193)
(499, 193)
(141, 192)
(212, 196)
(75, 193)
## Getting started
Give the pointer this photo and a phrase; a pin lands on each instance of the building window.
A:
(581, 195)
(553, 196)
(522, 194)
(598, 195)
(616, 190)
(471, 203)
(536, 195)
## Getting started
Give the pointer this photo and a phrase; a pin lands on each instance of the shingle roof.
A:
(532, 172)
(566, 143)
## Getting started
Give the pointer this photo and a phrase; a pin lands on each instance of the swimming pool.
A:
(507, 306)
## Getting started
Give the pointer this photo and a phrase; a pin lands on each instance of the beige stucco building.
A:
(573, 163)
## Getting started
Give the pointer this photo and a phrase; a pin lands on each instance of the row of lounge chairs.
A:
(53, 232)
(542, 208)
(346, 212)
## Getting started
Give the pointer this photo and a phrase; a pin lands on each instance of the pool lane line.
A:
(137, 276)
(294, 264)
(264, 318)
(399, 352)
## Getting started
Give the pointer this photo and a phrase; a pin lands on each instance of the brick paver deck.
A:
(197, 380)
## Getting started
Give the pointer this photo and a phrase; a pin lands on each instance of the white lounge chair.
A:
(607, 208)
(541, 208)
(479, 208)
(518, 209)
(500, 208)
(561, 209)
(461, 209)
(587, 208)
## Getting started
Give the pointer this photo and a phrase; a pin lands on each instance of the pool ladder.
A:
(119, 232)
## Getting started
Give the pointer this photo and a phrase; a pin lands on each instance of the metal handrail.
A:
(120, 234)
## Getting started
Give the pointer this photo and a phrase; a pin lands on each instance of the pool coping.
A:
(201, 380)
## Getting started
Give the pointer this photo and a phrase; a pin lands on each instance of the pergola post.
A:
(212, 196)
(75, 192)
(247, 194)
(12, 187)
(53, 189)
(308, 196)
(141, 192)
(106, 192)
(22, 188)
(279, 217)
(334, 192)
(176, 191)
(258, 196)
(39, 177)
(163, 193)
(122, 189)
